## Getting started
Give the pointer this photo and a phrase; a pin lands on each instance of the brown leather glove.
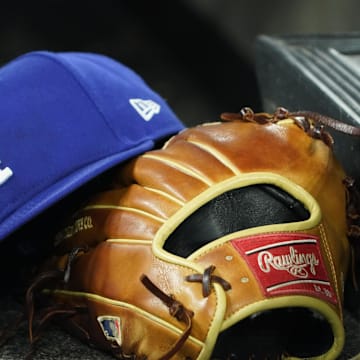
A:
(231, 235)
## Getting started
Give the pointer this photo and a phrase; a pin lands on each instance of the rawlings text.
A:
(293, 262)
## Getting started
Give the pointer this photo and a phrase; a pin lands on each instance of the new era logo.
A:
(145, 108)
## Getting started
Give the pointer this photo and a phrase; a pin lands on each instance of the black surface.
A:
(319, 73)
(178, 52)
(233, 211)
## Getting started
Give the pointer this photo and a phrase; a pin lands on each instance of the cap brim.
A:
(57, 191)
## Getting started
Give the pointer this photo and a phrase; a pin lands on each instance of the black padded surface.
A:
(314, 72)
(232, 211)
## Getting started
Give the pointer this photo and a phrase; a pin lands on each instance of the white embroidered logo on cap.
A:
(145, 108)
(5, 175)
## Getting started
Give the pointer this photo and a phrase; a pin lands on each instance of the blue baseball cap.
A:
(65, 118)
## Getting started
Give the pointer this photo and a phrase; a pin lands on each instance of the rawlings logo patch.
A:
(301, 265)
(287, 263)
(111, 327)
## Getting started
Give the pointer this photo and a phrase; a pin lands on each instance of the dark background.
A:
(179, 52)
(198, 54)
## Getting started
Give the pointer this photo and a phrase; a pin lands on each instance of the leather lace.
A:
(315, 124)
(29, 298)
(311, 122)
(206, 279)
(177, 310)
(47, 314)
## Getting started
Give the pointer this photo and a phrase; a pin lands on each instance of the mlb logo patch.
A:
(111, 327)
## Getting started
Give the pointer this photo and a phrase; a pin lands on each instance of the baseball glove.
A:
(232, 241)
